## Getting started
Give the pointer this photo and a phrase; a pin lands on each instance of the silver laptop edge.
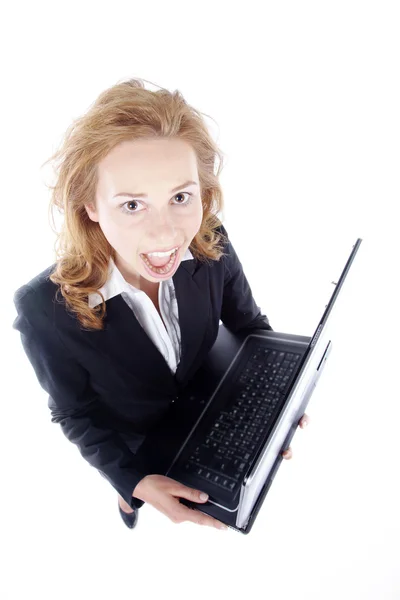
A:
(304, 386)
(302, 390)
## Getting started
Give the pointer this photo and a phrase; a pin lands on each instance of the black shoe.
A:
(130, 519)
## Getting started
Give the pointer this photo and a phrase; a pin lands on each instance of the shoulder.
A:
(36, 295)
(40, 286)
(225, 242)
(42, 316)
(229, 260)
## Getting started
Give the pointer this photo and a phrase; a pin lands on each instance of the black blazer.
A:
(105, 384)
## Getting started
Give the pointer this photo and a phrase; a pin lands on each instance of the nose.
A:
(162, 230)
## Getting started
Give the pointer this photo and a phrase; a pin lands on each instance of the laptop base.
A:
(166, 442)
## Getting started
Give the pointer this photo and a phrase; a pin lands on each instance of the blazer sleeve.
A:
(72, 401)
(239, 309)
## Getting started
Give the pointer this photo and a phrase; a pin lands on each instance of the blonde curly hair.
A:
(125, 111)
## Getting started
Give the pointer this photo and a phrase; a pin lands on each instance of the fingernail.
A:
(223, 527)
(305, 423)
(203, 496)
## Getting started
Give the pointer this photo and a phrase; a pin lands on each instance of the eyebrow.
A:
(142, 195)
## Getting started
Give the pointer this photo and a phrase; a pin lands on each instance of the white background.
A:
(305, 101)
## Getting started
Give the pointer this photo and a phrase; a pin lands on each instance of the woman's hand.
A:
(163, 493)
(304, 421)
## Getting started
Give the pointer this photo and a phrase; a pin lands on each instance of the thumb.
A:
(184, 491)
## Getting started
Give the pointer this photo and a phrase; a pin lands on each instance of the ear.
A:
(91, 211)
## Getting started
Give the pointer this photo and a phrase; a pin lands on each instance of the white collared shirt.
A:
(166, 337)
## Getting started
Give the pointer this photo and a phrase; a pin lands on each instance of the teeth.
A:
(160, 270)
(161, 253)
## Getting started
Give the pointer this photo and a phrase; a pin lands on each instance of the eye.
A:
(183, 204)
(127, 204)
(181, 194)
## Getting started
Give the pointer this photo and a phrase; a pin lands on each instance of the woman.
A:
(129, 310)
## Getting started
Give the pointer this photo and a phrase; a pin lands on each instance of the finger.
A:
(287, 454)
(304, 421)
(201, 519)
(195, 516)
(184, 513)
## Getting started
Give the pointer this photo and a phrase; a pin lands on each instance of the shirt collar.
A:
(116, 283)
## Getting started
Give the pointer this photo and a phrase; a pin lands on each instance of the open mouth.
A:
(165, 269)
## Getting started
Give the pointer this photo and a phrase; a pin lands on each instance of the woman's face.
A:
(143, 204)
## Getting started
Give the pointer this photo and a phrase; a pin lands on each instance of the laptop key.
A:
(219, 464)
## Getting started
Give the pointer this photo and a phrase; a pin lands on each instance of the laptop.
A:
(232, 450)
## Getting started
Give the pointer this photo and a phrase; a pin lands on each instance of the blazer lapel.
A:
(193, 298)
(123, 338)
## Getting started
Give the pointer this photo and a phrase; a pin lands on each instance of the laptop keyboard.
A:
(235, 433)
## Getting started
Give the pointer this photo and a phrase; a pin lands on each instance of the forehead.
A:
(143, 162)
